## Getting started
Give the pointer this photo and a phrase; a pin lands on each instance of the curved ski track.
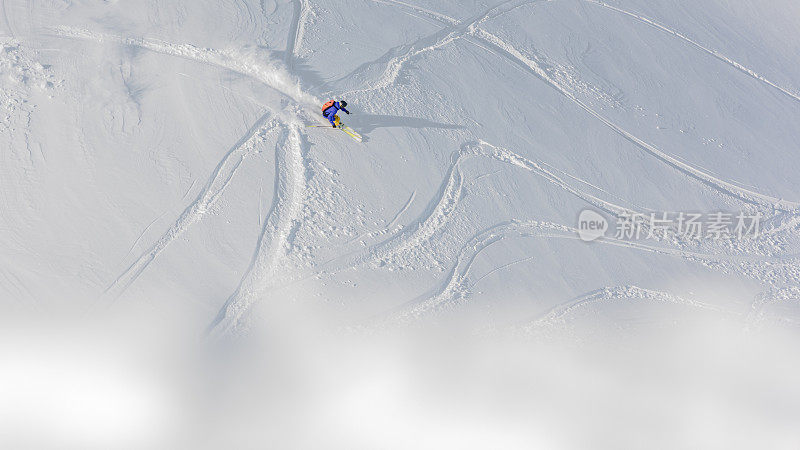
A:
(557, 315)
(757, 314)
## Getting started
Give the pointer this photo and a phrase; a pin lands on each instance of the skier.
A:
(330, 109)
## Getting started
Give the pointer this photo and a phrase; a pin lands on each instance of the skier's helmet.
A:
(343, 103)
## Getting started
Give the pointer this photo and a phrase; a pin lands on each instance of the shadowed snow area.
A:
(190, 258)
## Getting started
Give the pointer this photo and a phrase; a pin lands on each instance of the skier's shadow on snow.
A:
(369, 122)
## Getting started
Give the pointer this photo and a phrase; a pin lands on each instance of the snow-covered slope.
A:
(158, 175)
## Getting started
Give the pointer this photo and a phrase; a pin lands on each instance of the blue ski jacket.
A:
(330, 113)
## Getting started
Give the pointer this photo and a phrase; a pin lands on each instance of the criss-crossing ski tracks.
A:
(289, 173)
(270, 269)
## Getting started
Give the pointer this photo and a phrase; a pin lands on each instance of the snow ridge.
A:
(558, 314)
(265, 269)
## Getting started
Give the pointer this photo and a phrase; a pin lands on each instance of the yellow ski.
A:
(341, 126)
(350, 131)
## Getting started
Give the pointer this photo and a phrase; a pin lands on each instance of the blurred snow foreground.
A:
(570, 224)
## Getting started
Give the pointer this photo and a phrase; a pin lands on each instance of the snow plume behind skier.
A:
(330, 109)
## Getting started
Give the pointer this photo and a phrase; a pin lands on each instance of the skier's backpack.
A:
(327, 105)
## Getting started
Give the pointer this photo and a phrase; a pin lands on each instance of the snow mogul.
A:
(330, 109)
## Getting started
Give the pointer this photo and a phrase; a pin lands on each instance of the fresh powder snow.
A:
(558, 224)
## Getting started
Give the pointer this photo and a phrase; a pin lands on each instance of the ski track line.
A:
(512, 158)
(450, 33)
(504, 266)
(191, 186)
(426, 12)
(265, 268)
(402, 210)
(271, 74)
(557, 314)
(749, 72)
(538, 69)
(215, 186)
(592, 186)
(146, 229)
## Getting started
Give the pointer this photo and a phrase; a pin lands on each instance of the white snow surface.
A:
(185, 263)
